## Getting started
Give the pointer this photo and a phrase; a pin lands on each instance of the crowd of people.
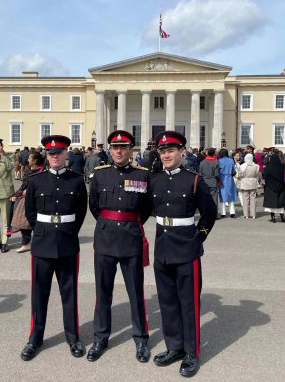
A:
(232, 176)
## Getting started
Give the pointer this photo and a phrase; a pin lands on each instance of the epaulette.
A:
(140, 168)
(38, 173)
(101, 167)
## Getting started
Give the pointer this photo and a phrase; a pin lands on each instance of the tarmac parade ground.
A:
(242, 313)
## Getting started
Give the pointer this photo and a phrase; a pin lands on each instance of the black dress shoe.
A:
(29, 351)
(4, 248)
(232, 216)
(168, 357)
(143, 352)
(95, 352)
(76, 349)
(189, 366)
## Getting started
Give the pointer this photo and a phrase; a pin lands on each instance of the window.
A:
(279, 101)
(245, 135)
(16, 102)
(202, 102)
(15, 133)
(46, 102)
(180, 129)
(203, 136)
(75, 134)
(116, 103)
(76, 102)
(137, 134)
(45, 130)
(279, 135)
(246, 102)
(158, 103)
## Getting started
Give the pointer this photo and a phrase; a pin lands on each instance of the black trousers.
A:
(105, 271)
(179, 288)
(26, 236)
(66, 270)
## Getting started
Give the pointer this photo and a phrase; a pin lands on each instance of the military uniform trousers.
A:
(178, 289)
(66, 270)
(5, 206)
(105, 271)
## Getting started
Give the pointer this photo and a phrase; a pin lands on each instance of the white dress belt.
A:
(55, 218)
(175, 222)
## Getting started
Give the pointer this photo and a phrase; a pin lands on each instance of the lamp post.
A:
(223, 140)
(93, 139)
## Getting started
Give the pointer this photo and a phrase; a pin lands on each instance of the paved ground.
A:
(242, 322)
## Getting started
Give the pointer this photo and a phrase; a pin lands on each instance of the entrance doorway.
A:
(157, 129)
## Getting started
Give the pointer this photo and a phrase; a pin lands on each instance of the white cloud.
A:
(199, 27)
(15, 64)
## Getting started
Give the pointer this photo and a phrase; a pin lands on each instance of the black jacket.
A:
(108, 191)
(174, 197)
(50, 194)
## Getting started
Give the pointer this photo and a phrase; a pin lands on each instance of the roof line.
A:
(157, 54)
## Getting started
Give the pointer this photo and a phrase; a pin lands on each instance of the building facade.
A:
(145, 95)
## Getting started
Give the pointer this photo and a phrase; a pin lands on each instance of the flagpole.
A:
(159, 31)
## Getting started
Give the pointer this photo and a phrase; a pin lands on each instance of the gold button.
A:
(42, 194)
(119, 223)
(57, 189)
(165, 230)
(170, 178)
(120, 198)
(168, 191)
(184, 196)
(167, 204)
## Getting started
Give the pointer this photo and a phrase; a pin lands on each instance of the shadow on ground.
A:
(11, 302)
(230, 323)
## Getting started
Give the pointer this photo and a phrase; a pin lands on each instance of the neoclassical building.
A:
(145, 95)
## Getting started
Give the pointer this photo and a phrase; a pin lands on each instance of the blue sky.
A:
(66, 37)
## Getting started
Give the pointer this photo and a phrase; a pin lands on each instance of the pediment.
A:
(160, 62)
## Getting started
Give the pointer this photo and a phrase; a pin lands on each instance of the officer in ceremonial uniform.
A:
(56, 204)
(120, 203)
(177, 193)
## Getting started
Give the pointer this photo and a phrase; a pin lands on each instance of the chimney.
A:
(30, 74)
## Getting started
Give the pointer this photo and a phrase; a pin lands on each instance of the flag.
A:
(162, 33)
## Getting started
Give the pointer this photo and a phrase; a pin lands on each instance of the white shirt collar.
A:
(59, 172)
(172, 172)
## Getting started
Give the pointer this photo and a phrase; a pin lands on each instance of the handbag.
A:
(19, 220)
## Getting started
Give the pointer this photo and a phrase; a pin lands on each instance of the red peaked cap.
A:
(55, 143)
(121, 137)
(170, 138)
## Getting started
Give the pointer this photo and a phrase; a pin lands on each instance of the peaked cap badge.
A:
(164, 138)
(53, 143)
(119, 137)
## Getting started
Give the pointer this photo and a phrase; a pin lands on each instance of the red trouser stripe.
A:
(77, 294)
(32, 318)
(196, 304)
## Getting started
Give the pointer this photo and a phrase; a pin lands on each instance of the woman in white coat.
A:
(250, 179)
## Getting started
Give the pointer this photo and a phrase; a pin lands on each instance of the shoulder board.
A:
(101, 167)
(74, 172)
(38, 173)
(140, 168)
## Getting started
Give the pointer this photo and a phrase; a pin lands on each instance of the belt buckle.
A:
(168, 222)
(55, 219)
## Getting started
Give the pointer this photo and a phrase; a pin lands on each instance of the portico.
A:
(161, 91)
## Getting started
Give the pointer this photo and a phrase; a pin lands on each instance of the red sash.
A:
(129, 217)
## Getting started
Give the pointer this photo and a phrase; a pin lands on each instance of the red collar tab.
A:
(56, 145)
(211, 159)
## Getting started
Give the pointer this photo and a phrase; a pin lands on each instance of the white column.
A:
(100, 128)
(122, 110)
(195, 120)
(218, 119)
(108, 114)
(170, 109)
(145, 118)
